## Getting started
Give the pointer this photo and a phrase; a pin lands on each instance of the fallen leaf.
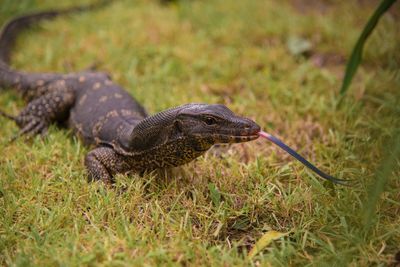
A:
(264, 241)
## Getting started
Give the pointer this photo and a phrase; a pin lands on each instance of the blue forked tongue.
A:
(294, 154)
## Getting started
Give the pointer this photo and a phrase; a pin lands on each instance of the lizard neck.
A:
(170, 154)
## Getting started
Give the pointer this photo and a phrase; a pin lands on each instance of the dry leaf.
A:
(264, 241)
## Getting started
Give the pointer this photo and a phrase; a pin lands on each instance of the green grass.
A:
(213, 210)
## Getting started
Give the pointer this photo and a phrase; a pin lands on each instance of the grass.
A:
(213, 210)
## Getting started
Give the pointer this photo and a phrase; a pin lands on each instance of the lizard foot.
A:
(102, 163)
(33, 127)
(36, 117)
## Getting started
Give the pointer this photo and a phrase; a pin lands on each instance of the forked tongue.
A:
(294, 154)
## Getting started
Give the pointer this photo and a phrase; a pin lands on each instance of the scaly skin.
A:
(124, 138)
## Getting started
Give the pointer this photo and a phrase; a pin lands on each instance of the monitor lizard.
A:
(123, 137)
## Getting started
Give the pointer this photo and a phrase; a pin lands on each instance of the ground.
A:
(213, 210)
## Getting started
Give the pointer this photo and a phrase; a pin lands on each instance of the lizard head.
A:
(213, 124)
(183, 133)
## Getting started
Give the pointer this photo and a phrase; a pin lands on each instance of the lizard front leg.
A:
(42, 111)
(103, 163)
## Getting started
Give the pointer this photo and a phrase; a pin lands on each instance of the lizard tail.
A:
(11, 30)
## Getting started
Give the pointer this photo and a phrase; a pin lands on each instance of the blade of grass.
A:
(356, 54)
(377, 187)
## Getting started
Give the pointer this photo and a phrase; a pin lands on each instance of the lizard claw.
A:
(31, 129)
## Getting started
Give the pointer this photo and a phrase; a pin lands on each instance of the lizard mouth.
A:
(226, 138)
(248, 136)
(253, 134)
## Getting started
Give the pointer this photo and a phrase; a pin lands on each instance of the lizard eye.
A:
(210, 120)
